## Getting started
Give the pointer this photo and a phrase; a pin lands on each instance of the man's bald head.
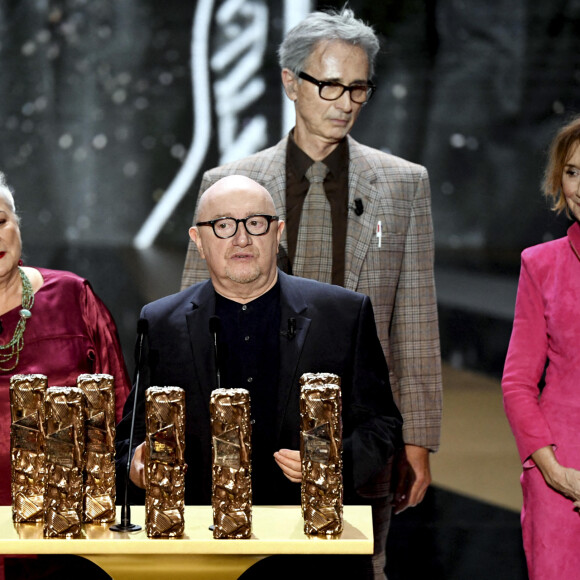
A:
(238, 185)
(242, 265)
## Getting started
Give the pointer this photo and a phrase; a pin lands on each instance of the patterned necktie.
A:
(313, 258)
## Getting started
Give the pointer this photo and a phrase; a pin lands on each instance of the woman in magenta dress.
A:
(52, 323)
(546, 335)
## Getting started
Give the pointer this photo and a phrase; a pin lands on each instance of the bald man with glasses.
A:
(273, 328)
(359, 218)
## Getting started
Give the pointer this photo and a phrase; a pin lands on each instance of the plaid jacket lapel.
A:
(361, 228)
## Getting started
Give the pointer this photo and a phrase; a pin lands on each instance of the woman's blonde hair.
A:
(561, 149)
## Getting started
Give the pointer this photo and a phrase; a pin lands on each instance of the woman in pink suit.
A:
(546, 336)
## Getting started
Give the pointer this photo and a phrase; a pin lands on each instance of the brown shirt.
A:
(336, 189)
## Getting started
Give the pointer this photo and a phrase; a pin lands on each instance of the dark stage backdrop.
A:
(110, 110)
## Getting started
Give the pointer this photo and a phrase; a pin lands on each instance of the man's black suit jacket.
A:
(335, 332)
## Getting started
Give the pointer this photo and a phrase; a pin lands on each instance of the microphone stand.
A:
(125, 525)
(214, 327)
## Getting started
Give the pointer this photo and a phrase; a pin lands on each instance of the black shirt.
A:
(248, 347)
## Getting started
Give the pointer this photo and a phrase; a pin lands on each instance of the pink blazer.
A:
(546, 330)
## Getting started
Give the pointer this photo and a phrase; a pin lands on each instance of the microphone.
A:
(215, 325)
(291, 328)
(140, 348)
(291, 332)
(358, 206)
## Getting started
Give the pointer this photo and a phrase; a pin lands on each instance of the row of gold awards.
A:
(320, 451)
(63, 456)
(62, 444)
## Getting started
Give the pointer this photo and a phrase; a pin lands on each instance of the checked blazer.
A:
(398, 276)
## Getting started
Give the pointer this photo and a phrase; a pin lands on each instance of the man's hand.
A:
(137, 470)
(414, 477)
(290, 464)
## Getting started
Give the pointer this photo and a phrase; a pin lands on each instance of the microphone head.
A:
(358, 206)
(142, 326)
(215, 324)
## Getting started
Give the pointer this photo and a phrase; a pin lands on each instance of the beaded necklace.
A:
(13, 348)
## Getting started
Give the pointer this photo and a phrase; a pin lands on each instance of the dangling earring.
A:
(20, 262)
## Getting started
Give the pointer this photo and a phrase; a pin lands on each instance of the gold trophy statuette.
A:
(65, 414)
(164, 461)
(231, 469)
(321, 453)
(99, 490)
(27, 447)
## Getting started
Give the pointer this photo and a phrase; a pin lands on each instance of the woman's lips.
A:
(2, 254)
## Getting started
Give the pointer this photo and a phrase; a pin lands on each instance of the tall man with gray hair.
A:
(359, 218)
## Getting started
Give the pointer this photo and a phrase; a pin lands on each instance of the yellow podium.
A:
(124, 556)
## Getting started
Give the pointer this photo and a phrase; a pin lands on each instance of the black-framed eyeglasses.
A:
(332, 91)
(227, 227)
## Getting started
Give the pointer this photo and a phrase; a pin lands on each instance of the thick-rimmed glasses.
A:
(227, 227)
(332, 91)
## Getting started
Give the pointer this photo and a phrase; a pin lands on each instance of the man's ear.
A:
(196, 239)
(281, 225)
(290, 82)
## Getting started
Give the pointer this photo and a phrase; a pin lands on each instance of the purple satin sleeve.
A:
(70, 332)
(102, 331)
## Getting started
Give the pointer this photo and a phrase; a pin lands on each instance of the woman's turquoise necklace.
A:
(12, 349)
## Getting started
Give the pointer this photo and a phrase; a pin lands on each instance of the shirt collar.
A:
(268, 297)
(299, 162)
